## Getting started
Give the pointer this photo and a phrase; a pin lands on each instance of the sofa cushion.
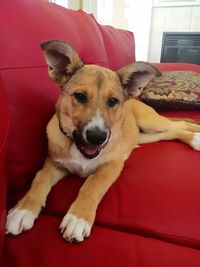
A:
(174, 90)
(32, 96)
(44, 246)
(177, 67)
(155, 194)
(119, 46)
(4, 130)
(27, 23)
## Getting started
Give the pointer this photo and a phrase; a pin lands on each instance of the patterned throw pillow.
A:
(173, 90)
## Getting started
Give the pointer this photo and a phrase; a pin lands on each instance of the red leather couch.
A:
(150, 217)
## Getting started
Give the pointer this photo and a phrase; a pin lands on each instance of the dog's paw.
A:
(73, 229)
(19, 220)
(196, 141)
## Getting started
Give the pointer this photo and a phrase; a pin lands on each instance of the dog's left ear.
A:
(135, 77)
(63, 61)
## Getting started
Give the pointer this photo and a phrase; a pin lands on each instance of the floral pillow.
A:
(173, 90)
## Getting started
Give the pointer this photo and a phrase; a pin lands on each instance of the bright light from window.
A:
(105, 11)
(61, 2)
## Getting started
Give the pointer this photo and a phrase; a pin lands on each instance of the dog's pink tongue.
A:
(90, 150)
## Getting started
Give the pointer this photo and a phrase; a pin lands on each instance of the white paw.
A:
(74, 229)
(19, 220)
(196, 141)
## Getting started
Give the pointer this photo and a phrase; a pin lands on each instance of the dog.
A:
(97, 124)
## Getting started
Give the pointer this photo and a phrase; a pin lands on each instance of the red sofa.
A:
(150, 217)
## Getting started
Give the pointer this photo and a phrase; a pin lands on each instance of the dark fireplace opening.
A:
(181, 47)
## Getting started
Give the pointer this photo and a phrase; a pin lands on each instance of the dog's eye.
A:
(112, 101)
(80, 97)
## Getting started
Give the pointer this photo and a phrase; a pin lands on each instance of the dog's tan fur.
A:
(130, 122)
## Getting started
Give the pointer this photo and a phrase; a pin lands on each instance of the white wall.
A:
(112, 12)
(60, 2)
(90, 7)
(73, 4)
(133, 15)
(139, 22)
(171, 19)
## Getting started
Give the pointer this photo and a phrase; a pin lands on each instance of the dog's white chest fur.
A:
(78, 164)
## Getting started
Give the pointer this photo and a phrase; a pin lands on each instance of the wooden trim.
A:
(81, 4)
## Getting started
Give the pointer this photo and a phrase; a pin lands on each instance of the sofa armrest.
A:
(4, 126)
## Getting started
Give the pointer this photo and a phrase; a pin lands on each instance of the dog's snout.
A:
(96, 136)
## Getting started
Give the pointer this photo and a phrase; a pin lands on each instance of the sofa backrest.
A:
(4, 129)
(31, 94)
(119, 46)
(27, 23)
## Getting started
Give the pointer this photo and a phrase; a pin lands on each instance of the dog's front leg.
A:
(22, 216)
(77, 223)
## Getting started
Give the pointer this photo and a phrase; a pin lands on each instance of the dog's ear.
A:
(62, 60)
(135, 77)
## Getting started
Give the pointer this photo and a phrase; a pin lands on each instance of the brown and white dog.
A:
(96, 126)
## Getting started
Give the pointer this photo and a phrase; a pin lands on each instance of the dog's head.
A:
(90, 108)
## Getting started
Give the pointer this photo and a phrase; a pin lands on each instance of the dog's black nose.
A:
(96, 136)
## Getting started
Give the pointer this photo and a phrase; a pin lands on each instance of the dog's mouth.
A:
(87, 150)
